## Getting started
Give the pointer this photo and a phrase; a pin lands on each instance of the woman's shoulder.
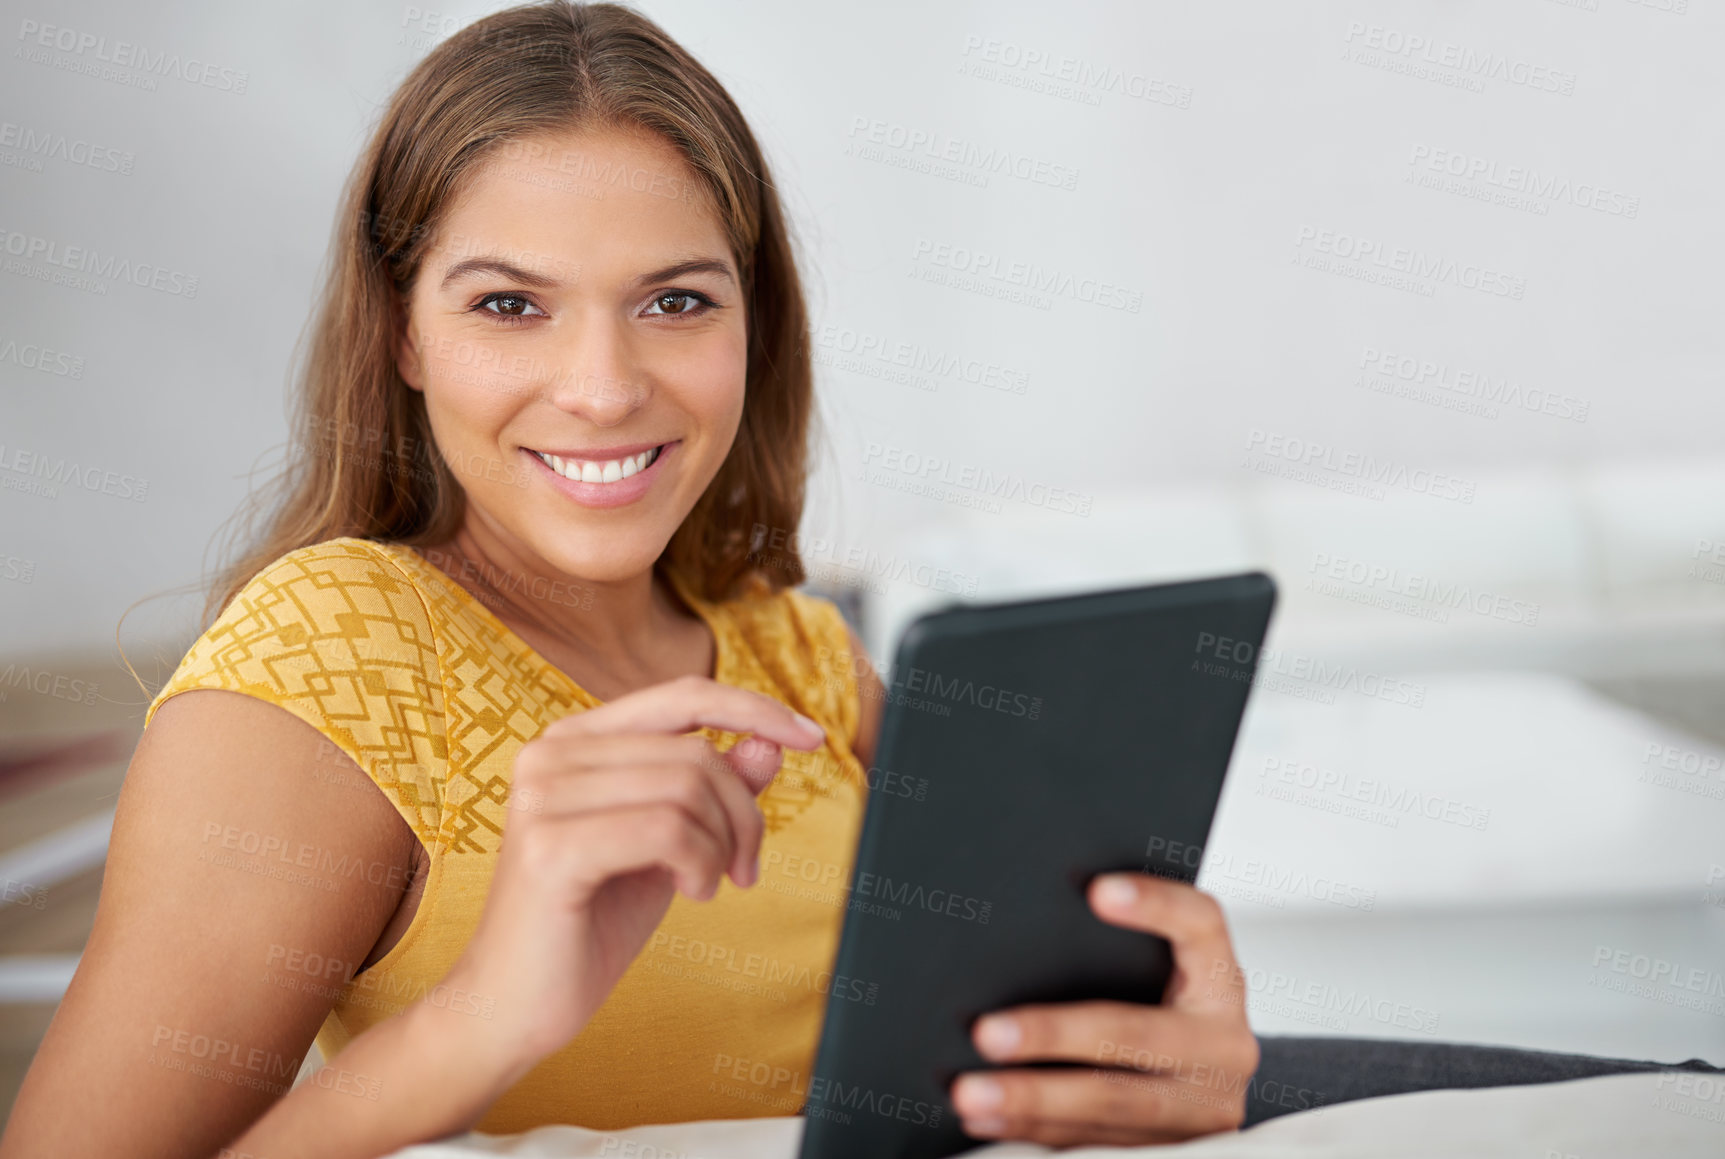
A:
(316, 623)
(791, 625)
(335, 569)
(337, 634)
(805, 645)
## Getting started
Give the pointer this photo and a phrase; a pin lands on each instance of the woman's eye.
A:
(509, 306)
(679, 302)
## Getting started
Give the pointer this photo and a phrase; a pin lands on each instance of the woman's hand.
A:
(1163, 1073)
(613, 811)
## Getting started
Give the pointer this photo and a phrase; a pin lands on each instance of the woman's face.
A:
(578, 332)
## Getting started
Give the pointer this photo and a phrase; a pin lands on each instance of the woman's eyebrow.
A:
(690, 266)
(509, 271)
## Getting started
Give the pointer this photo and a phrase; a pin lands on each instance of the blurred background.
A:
(1413, 305)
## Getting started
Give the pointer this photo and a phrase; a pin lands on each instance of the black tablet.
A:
(1044, 742)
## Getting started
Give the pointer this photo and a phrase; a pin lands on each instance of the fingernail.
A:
(1117, 893)
(810, 726)
(998, 1036)
(988, 1127)
(978, 1095)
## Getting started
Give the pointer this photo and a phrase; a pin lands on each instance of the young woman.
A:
(508, 689)
(513, 770)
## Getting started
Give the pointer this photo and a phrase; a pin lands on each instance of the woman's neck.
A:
(610, 636)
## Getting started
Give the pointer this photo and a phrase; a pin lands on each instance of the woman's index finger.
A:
(693, 702)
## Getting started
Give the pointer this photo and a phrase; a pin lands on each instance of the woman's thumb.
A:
(756, 761)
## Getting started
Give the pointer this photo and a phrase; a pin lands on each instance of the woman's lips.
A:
(629, 479)
(603, 466)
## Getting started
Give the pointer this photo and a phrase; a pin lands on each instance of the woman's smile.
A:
(608, 477)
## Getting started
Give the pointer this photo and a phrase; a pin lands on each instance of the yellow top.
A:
(429, 693)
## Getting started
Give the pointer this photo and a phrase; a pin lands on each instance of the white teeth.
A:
(609, 471)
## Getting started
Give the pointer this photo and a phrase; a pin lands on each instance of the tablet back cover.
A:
(1025, 748)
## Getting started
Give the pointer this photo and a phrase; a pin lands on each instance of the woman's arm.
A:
(230, 884)
(159, 1045)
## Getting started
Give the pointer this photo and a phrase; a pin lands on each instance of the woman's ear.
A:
(407, 362)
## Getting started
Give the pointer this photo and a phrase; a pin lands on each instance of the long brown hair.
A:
(362, 461)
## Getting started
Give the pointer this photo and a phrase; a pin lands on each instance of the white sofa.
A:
(1605, 826)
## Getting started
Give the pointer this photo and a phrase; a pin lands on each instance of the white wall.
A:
(1196, 209)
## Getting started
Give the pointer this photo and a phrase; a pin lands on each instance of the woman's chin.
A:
(602, 563)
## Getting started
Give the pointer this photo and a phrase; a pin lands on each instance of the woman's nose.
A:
(596, 376)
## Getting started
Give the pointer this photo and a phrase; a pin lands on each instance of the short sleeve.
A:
(338, 635)
(835, 661)
(818, 660)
